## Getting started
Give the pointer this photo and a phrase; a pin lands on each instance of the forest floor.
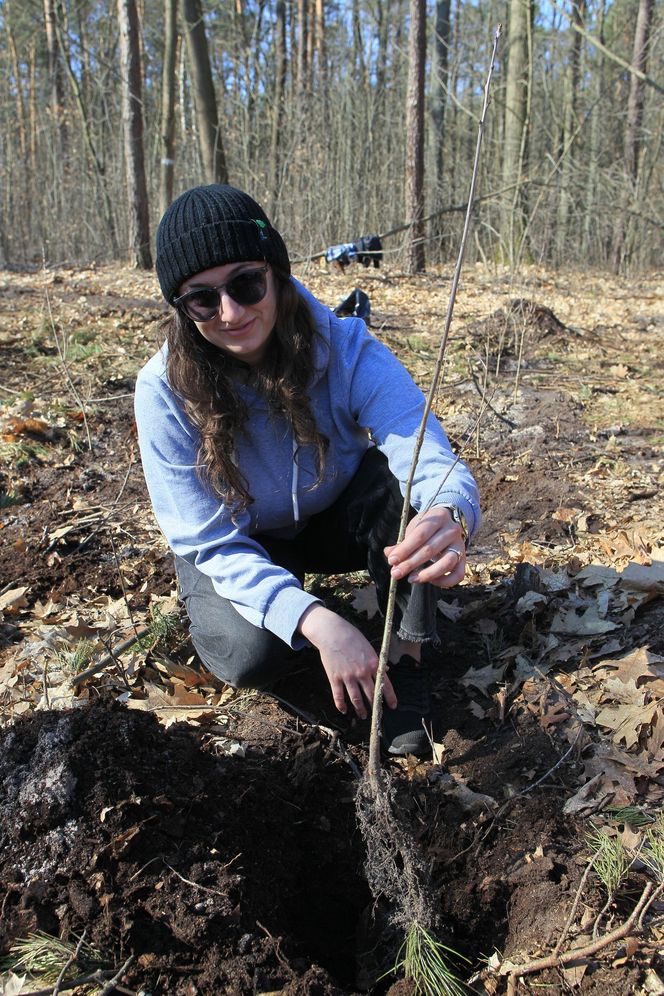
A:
(206, 840)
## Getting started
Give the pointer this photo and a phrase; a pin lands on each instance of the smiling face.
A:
(240, 329)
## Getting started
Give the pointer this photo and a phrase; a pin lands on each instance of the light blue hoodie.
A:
(359, 393)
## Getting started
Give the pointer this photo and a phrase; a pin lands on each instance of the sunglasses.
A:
(203, 303)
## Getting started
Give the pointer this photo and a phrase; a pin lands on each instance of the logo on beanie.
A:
(261, 226)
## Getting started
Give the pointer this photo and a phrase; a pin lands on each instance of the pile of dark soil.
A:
(199, 865)
(245, 874)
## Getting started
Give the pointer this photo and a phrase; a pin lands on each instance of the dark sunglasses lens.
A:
(248, 288)
(203, 304)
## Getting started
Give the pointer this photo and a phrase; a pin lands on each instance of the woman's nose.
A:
(229, 309)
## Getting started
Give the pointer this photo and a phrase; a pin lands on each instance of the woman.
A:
(274, 438)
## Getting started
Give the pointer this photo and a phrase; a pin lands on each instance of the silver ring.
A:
(453, 549)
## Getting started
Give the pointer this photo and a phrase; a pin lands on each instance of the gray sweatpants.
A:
(348, 536)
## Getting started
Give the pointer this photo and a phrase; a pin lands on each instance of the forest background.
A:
(342, 118)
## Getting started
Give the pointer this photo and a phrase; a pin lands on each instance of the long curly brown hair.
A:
(202, 376)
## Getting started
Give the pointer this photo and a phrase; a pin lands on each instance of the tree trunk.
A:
(633, 138)
(569, 128)
(415, 136)
(383, 21)
(589, 244)
(514, 214)
(439, 82)
(321, 63)
(18, 85)
(358, 44)
(301, 63)
(167, 124)
(90, 144)
(454, 129)
(311, 25)
(132, 122)
(280, 70)
(55, 79)
(205, 100)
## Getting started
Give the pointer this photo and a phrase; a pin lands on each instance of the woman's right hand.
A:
(349, 660)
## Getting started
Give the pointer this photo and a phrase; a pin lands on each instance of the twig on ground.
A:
(197, 885)
(561, 760)
(109, 658)
(157, 857)
(575, 905)
(111, 653)
(275, 946)
(655, 896)
(557, 960)
(306, 716)
(482, 393)
(70, 961)
(125, 598)
(117, 498)
(479, 839)
(99, 976)
(339, 748)
(112, 983)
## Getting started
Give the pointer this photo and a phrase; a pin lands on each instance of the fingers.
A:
(420, 533)
(339, 695)
(360, 693)
(439, 558)
(432, 540)
(356, 693)
(444, 572)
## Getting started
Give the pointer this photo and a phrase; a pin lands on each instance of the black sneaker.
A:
(402, 730)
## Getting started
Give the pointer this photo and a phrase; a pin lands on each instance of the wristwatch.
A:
(460, 519)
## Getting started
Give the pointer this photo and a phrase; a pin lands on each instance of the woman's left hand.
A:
(433, 550)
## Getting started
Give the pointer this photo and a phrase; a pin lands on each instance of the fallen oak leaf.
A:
(30, 427)
(588, 623)
(568, 515)
(623, 691)
(627, 721)
(12, 984)
(631, 947)
(483, 677)
(450, 610)
(644, 577)
(638, 666)
(469, 800)
(365, 600)
(613, 774)
(554, 714)
(592, 797)
(574, 972)
(14, 599)
(476, 709)
(597, 575)
(655, 740)
(530, 602)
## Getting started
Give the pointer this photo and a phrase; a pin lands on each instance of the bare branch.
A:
(609, 54)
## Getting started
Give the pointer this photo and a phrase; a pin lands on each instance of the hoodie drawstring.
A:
(294, 480)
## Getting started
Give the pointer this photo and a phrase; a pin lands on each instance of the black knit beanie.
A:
(210, 226)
